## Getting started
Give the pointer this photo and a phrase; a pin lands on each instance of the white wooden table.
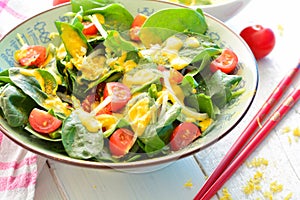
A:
(182, 179)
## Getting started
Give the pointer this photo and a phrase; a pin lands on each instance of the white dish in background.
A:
(221, 9)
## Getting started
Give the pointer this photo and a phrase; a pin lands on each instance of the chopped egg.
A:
(257, 162)
(188, 184)
(225, 195)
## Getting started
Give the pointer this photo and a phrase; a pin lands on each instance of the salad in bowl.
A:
(106, 85)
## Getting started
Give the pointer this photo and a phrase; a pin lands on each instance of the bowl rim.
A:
(139, 163)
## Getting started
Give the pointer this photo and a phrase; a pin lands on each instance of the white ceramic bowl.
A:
(36, 30)
(225, 10)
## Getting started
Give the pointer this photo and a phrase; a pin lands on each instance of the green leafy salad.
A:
(117, 87)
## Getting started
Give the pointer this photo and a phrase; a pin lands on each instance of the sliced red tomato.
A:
(139, 20)
(226, 62)
(57, 2)
(261, 40)
(89, 28)
(43, 122)
(34, 55)
(136, 25)
(121, 141)
(184, 134)
(119, 93)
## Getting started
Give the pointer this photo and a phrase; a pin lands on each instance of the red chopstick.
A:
(249, 130)
(253, 143)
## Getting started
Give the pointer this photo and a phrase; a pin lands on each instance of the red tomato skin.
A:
(120, 94)
(261, 40)
(139, 20)
(226, 62)
(184, 134)
(89, 29)
(57, 2)
(43, 122)
(120, 142)
(34, 55)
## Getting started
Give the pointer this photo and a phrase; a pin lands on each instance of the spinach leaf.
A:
(152, 142)
(78, 141)
(15, 105)
(73, 39)
(4, 77)
(28, 83)
(199, 101)
(221, 87)
(116, 16)
(168, 117)
(117, 44)
(88, 4)
(164, 23)
(53, 137)
(34, 83)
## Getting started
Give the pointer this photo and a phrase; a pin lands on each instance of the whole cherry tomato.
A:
(57, 2)
(261, 40)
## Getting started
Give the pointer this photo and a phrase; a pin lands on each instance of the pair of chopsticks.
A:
(242, 148)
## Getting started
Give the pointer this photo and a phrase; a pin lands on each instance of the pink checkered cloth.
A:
(19, 168)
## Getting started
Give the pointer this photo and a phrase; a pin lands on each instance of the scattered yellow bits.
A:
(258, 162)
(225, 195)
(290, 140)
(268, 195)
(188, 184)
(254, 183)
(275, 187)
(286, 129)
(296, 132)
(280, 29)
(289, 196)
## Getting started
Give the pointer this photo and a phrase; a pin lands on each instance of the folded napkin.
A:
(19, 168)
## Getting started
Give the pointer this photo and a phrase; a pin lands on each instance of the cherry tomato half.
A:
(139, 20)
(89, 28)
(184, 134)
(121, 141)
(136, 25)
(57, 2)
(43, 122)
(226, 62)
(120, 94)
(260, 40)
(34, 55)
